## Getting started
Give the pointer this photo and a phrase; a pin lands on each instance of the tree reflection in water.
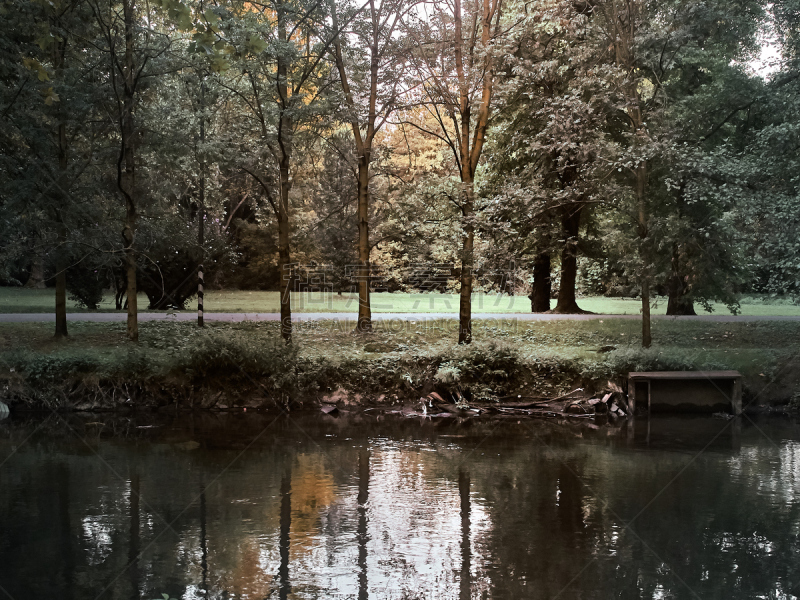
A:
(133, 546)
(363, 536)
(203, 542)
(363, 508)
(286, 526)
(465, 588)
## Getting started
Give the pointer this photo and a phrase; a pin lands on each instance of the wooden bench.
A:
(689, 391)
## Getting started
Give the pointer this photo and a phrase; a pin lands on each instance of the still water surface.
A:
(363, 506)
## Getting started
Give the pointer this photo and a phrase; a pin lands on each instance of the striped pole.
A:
(201, 213)
(200, 296)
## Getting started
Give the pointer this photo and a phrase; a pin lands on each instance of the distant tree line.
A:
(551, 148)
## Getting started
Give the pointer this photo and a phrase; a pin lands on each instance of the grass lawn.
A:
(20, 300)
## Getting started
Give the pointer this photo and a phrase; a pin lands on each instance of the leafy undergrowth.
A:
(247, 364)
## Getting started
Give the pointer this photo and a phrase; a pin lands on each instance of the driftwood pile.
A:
(575, 404)
(606, 404)
(612, 402)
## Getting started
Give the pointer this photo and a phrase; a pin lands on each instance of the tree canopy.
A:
(548, 148)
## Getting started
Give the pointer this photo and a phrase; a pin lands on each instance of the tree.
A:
(700, 179)
(663, 52)
(281, 81)
(131, 46)
(51, 113)
(333, 230)
(770, 159)
(550, 152)
(621, 22)
(455, 66)
(189, 163)
(373, 74)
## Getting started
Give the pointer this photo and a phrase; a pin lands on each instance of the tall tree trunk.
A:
(363, 143)
(542, 283)
(127, 175)
(364, 307)
(470, 142)
(467, 264)
(570, 226)
(285, 125)
(61, 262)
(128, 235)
(284, 256)
(469, 118)
(467, 191)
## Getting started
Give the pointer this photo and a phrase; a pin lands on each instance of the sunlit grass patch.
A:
(22, 300)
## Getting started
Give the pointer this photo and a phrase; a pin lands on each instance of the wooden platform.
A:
(686, 391)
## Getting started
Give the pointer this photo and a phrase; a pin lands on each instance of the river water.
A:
(378, 506)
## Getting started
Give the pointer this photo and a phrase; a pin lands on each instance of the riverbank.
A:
(246, 365)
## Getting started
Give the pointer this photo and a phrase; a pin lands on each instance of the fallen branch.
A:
(568, 394)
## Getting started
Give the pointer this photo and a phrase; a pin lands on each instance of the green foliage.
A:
(624, 360)
(177, 362)
(170, 256)
(72, 365)
(448, 373)
(490, 363)
(237, 357)
(216, 136)
(51, 369)
(794, 402)
(86, 285)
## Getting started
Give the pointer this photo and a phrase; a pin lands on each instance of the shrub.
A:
(239, 358)
(53, 368)
(86, 286)
(620, 362)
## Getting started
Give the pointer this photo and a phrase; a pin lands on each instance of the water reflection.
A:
(286, 526)
(363, 536)
(65, 533)
(360, 507)
(133, 546)
(466, 542)
(203, 542)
